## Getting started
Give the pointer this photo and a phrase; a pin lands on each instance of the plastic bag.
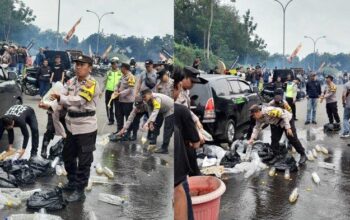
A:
(56, 150)
(207, 162)
(288, 162)
(50, 200)
(214, 151)
(56, 88)
(7, 183)
(230, 160)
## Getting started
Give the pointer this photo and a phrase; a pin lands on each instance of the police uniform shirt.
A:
(20, 114)
(272, 116)
(125, 88)
(152, 75)
(160, 104)
(330, 93)
(166, 88)
(283, 105)
(80, 97)
(184, 99)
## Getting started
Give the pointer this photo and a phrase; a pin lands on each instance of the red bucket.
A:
(206, 192)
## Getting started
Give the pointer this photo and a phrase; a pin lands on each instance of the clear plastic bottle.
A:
(324, 150)
(318, 148)
(316, 178)
(326, 165)
(143, 139)
(64, 171)
(314, 153)
(89, 186)
(99, 179)
(55, 162)
(108, 172)
(59, 170)
(294, 196)
(287, 174)
(111, 199)
(272, 171)
(99, 169)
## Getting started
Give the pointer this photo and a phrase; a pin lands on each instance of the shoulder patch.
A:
(131, 80)
(156, 104)
(275, 113)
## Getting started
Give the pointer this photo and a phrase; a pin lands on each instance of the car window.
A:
(199, 94)
(235, 87)
(245, 88)
(221, 87)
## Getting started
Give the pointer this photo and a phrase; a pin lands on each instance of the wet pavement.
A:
(265, 197)
(144, 179)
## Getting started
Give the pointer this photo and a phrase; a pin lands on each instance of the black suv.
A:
(222, 103)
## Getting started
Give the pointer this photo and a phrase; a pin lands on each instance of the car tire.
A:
(230, 131)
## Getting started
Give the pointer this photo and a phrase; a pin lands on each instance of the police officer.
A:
(112, 79)
(148, 78)
(330, 94)
(131, 126)
(80, 99)
(190, 76)
(283, 122)
(20, 116)
(160, 108)
(278, 101)
(124, 93)
(166, 84)
(291, 94)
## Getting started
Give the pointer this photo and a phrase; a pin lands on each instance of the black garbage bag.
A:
(56, 150)
(41, 167)
(50, 200)
(288, 162)
(230, 159)
(21, 171)
(4, 183)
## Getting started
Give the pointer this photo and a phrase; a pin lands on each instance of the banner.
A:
(295, 53)
(71, 32)
(105, 54)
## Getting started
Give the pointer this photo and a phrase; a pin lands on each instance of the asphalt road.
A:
(144, 179)
(265, 197)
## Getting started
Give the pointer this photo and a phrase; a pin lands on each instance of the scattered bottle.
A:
(287, 174)
(293, 150)
(108, 172)
(111, 199)
(314, 153)
(294, 196)
(64, 171)
(55, 162)
(324, 150)
(59, 170)
(272, 171)
(143, 139)
(89, 186)
(99, 169)
(318, 148)
(60, 185)
(99, 179)
(310, 156)
(316, 178)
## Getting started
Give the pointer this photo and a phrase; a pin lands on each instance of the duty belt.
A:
(81, 114)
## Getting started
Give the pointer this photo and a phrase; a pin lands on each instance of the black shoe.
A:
(69, 187)
(161, 151)
(77, 196)
(302, 159)
(307, 122)
(111, 122)
(314, 122)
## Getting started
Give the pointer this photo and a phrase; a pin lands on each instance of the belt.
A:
(81, 114)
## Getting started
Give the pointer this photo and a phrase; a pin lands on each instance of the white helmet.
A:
(114, 60)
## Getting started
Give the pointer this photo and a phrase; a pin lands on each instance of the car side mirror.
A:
(12, 75)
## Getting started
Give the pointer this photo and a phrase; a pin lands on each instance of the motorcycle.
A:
(29, 84)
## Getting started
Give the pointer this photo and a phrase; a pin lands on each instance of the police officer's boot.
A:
(77, 196)
(46, 142)
(69, 187)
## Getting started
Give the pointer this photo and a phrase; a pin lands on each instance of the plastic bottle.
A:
(59, 170)
(318, 148)
(326, 165)
(143, 139)
(64, 171)
(294, 196)
(206, 135)
(111, 199)
(324, 150)
(311, 155)
(89, 186)
(293, 150)
(314, 153)
(316, 178)
(9, 200)
(55, 162)
(57, 88)
(287, 174)
(108, 172)
(99, 169)
(272, 171)
(99, 179)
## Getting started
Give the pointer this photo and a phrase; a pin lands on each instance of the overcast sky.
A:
(304, 17)
(146, 18)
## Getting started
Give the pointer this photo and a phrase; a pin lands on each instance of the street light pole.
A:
(58, 23)
(315, 42)
(99, 18)
(284, 8)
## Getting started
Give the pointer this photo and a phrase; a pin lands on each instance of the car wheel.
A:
(230, 131)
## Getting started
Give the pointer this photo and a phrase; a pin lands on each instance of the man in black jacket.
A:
(20, 116)
(313, 92)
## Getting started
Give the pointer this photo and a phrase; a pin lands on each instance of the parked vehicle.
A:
(10, 91)
(222, 103)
